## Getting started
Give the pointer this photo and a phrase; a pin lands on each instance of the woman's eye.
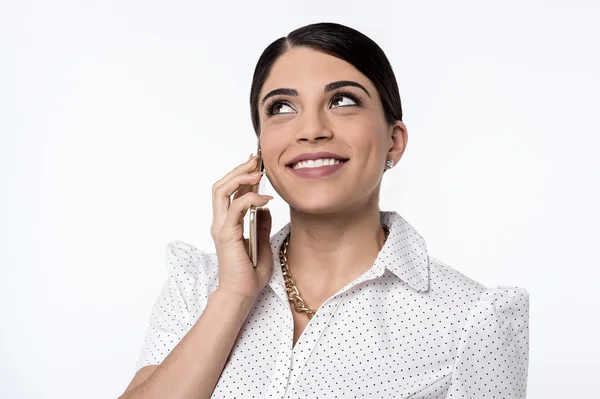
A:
(339, 97)
(276, 108)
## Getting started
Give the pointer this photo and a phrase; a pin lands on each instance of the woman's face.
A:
(351, 125)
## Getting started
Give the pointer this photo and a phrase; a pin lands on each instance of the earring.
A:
(389, 163)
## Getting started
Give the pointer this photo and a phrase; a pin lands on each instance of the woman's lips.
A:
(320, 171)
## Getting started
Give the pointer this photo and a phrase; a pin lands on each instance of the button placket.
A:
(280, 378)
(310, 337)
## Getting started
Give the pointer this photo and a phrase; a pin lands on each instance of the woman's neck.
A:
(327, 251)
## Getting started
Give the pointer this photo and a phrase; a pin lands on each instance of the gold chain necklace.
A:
(290, 286)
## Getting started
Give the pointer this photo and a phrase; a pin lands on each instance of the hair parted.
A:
(338, 41)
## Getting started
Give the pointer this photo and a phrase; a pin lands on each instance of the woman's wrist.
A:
(227, 299)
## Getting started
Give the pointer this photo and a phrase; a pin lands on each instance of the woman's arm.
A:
(193, 367)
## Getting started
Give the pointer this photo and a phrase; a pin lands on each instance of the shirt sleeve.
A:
(181, 301)
(493, 352)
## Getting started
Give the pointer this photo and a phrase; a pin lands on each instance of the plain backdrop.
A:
(116, 117)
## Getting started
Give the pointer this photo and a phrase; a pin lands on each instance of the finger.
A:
(243, 189)
(241, 169)
(222, 201)
(246, 167)
(244, 211)
(240, 206)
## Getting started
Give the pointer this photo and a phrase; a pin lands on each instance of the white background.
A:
(116, 117)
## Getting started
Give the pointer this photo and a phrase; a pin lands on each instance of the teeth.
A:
(316, 163)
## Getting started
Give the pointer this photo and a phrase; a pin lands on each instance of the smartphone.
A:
(253, 214)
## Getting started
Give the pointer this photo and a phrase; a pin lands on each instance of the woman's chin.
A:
(318, 205)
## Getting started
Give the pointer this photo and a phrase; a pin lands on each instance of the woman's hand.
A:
(237, 275)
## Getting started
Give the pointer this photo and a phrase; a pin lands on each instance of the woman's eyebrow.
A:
(328, 87)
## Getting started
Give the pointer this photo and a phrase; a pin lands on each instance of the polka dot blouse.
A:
(410, 327)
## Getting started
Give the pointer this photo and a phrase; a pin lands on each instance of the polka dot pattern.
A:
(410, 326)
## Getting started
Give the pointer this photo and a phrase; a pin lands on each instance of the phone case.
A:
(253, 216)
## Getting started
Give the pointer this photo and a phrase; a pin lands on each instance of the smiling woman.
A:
(345, 300)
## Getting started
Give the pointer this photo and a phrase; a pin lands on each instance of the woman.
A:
(375, 315)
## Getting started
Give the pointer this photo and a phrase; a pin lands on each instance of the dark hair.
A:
(339, 41)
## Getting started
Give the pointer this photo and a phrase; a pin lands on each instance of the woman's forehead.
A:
(307, 70)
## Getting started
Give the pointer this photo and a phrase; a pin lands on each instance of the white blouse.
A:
(410, 327)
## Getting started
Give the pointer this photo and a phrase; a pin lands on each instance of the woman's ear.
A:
(398, 140)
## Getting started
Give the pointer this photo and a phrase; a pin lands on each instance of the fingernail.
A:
(256, 173)
(266, 196)
(252, 159)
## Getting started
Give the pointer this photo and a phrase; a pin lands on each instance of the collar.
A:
(404, 254)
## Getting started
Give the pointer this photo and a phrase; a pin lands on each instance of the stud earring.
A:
(389, 163)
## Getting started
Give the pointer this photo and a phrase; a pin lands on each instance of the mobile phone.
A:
(253, 214)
